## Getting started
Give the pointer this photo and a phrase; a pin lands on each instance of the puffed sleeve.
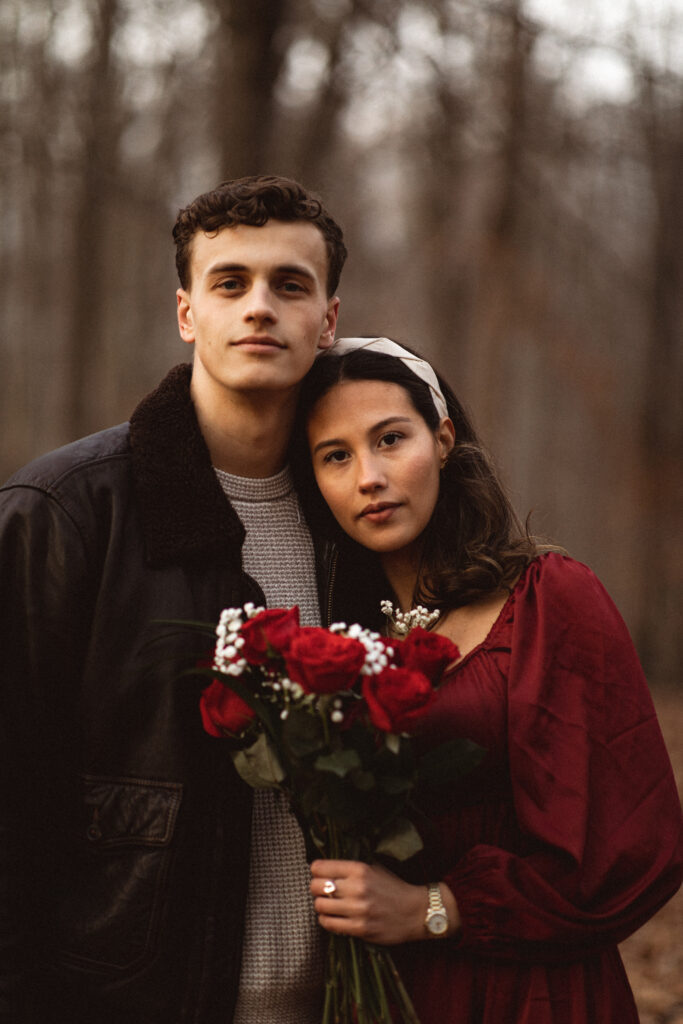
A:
(591, 781)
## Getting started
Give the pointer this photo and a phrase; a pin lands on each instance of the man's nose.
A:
(260, 307)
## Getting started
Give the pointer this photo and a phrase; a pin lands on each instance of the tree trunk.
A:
(100, 127)
(249, 60)
(661, 638)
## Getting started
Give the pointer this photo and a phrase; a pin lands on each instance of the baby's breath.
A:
(400, 623)
(229, 641)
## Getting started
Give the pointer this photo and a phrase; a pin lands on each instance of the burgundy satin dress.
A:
(568, 836)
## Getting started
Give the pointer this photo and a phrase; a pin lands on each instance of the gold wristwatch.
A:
(436, 921)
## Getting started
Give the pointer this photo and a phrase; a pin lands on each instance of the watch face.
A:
(437, 923)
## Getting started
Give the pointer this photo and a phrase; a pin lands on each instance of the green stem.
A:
(409, 1016)
(379, 985)
(357, 987)
(362, 982)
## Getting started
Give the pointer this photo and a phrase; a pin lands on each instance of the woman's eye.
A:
(336, 456)
(390, 439)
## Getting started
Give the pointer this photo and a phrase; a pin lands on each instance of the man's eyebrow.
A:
(285, 268)
(225, 268)
(375, 427)
(297, 269)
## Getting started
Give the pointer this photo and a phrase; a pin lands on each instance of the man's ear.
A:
(327, 336)
(185, 320)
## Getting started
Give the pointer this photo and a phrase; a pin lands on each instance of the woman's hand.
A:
(371, 903)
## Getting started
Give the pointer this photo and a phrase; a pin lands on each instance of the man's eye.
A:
(231, 284)
(291, 286)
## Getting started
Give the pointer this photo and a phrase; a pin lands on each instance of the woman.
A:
(567, 837)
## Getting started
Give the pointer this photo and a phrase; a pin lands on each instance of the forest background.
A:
(509, 176)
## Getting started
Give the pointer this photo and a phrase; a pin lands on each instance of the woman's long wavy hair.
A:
(474, 544)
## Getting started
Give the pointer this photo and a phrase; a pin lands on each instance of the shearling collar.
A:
(185, 514)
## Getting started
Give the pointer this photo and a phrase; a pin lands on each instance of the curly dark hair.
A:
(255, 200)
(474, 544)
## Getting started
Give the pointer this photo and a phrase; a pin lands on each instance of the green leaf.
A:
(448, 763)
(341, 762)
(302, 733)
(189, 624)
(341, 802)
(395, 784)
(259, 764)
(401, 841)
(365, 781)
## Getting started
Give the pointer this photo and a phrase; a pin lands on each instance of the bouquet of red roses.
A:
(325, 715)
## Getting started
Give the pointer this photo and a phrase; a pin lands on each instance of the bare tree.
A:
(99, 121)
(659, 114)
(249, 56)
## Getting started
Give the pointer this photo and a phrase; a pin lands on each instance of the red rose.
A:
(223, 711)
(428, 652)
(324, 662)
(396, 698)
(269, 631)
(393, 644)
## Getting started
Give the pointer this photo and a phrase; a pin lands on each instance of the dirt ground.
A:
(654, 955)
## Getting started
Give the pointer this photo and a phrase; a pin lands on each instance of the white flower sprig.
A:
(228, 639)
(377, 653)
(401, 623)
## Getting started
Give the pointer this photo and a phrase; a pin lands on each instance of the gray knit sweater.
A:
(282, 955)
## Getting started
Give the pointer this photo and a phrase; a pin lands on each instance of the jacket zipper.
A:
(330, 585)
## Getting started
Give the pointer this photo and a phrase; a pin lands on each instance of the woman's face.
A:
(376, 461)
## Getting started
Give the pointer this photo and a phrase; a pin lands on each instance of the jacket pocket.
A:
(109, 915)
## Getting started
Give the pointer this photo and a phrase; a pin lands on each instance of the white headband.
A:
(391, 348)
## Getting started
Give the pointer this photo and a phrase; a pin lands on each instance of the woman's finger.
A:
(328, 889)
(332, 868)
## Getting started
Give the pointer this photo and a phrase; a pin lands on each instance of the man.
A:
(124, 832)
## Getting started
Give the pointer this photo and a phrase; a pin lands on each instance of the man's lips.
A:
(260, 340)
(379, 511)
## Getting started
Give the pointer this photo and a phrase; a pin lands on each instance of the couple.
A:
(142, 881)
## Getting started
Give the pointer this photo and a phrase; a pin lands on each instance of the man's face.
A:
(256, 310)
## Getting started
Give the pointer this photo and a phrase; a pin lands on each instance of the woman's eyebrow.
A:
(327, 444)
(373, 429)
(390, 419)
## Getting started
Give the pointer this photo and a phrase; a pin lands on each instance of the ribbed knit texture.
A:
(282, 955)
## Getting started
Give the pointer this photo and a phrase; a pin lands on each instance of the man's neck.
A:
(247, 434)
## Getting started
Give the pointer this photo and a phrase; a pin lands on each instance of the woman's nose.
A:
(371, 476)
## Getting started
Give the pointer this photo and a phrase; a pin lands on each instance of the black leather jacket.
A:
(124, 831)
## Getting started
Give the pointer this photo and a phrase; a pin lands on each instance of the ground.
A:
(654, 955)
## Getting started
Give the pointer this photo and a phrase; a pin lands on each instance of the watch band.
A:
(436, 921)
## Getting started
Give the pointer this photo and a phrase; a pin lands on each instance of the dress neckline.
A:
(500, 621)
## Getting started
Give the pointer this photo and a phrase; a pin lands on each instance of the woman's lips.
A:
(380, 512)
